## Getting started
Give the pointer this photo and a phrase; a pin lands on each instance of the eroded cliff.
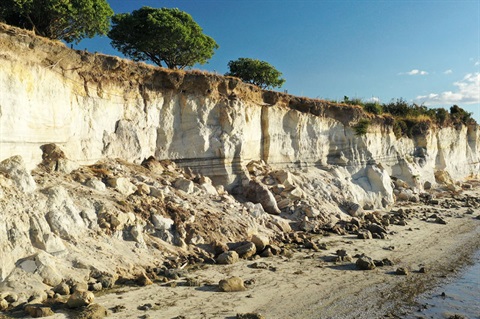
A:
(295, 156)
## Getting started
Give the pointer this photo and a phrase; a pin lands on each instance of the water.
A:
(462, 296)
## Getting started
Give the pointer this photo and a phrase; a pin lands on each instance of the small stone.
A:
(423, 270)
(231, 284)
(260, 265)
(11, 297)
(249, 316)
(401, 271)
(440, 220)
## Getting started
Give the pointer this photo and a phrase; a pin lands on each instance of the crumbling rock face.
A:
(104, 107)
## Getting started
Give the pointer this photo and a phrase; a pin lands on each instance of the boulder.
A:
(228, 257)
(185, 185)
(365, 263)
(96, 184)
(38, 310)
(62, 289)
(15, 168)
(246, 250)
(231, 284)
(122, 185)
(256, 210)
(260, 241)
(364, 234)
(80, 298)
(257, 192)
(209, 189)
(3, 305)
(92, 311)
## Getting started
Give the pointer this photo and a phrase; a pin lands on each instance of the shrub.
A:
(373, 107)
(361, 128)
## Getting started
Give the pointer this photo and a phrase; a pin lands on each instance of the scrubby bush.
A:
(361, 128)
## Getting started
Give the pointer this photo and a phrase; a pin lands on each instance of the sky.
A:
(422, 51)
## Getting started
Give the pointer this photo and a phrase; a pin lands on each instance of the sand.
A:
(307, 286)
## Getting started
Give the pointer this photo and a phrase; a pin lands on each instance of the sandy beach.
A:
(310, 284)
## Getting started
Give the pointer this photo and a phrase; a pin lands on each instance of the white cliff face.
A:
(97, 107)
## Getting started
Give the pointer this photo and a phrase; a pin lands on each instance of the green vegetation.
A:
(255, 72)
(361, 128)
(411, 119)
(161, 35)
(68, 20)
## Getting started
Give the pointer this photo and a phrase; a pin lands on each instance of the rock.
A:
(11, 297)
(14, 167)
(162, 223)
(231, 284)
(443, 177)
(376, 229)
(143, 189)
(250, 316)
(246, 250)
(38, 310)
(185, 185)
(423, 270)
(260, 241)
(402, 271)
(364, 234)
(209, 189)
(93, 311)
(122, 185)
(256, 210)
(365, 263)
(51, 153)
(96, 184)
(80, 298)
(281, 223)
(153, 165)
(440, 220)
(62, 289)
(97, 286)
(143, 280)
(3, 305)
(285, 178)
(257, 192)
(227, 258)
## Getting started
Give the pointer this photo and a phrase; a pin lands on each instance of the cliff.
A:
(97, 106)
(295, 156)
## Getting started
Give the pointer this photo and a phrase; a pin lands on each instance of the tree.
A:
(68, 20)
(256, 72)
(161, 35)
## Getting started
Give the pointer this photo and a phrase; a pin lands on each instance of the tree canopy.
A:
(68, 20)
(163, 35)
(256, 72)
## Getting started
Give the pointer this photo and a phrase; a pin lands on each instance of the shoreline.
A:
(308, 285)
(315, 283)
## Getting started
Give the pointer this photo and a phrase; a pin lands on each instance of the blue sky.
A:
(422, 51)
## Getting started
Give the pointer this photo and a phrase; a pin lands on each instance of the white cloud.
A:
(477, 63)
(467, 92)
(373, 99)
(414, 72)
(449, 71)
